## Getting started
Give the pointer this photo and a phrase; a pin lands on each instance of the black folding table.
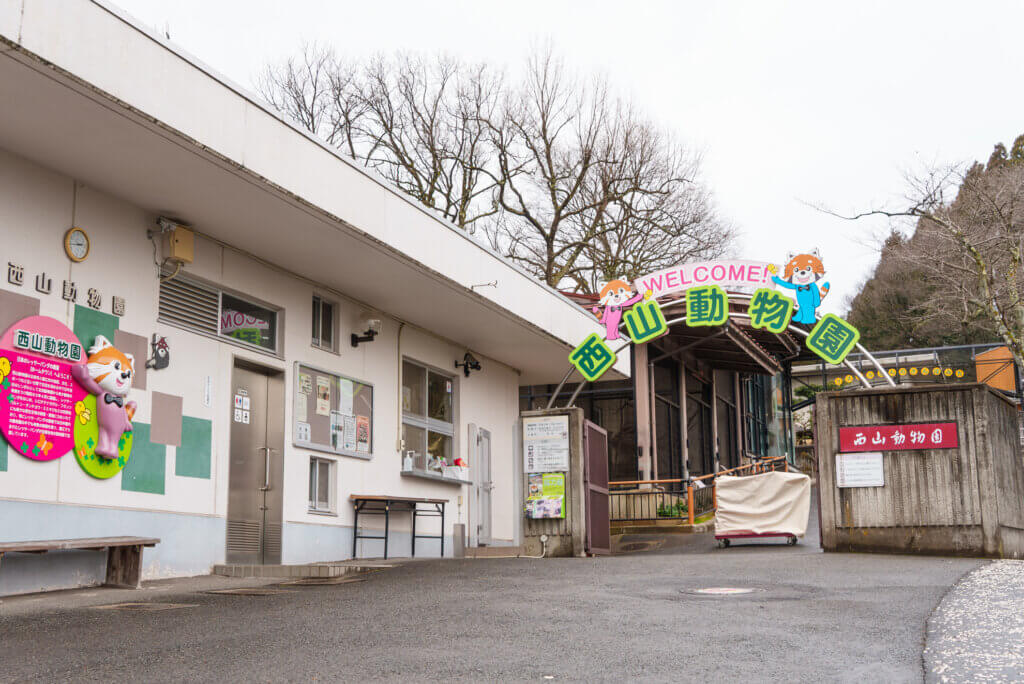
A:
(367, 504)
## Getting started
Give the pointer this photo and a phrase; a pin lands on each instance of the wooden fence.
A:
(966, 499)
(635, 500)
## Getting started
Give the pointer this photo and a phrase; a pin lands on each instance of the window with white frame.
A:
(323, 324)
(321, 485)
(428, 429)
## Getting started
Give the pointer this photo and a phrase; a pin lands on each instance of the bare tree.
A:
(418, 122)
(588, 190)
(423, 126)
(968, 247)
(303, 89)
(663, 218)
(567, 181)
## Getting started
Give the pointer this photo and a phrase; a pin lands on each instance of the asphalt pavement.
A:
(808, 617)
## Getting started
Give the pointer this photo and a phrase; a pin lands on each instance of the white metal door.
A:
(484, 486)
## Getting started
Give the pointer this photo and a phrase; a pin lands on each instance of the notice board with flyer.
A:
(332, 413)
(545, 462)
(546, 444)
(546, 497)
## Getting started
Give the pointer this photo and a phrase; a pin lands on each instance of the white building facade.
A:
(264, 401)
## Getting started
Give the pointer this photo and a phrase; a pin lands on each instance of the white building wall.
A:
(58, 499)
(186, 97)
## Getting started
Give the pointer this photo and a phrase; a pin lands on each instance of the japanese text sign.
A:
(898, 437)
(832, 338)
(37, 393)
(592, 358)
(770, 310)
(644, 322)
(707, 305)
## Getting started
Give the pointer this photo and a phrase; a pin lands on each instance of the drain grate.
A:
(250, 591)
(145, 606)
(630, 547)
(314, 581)
(720, 591)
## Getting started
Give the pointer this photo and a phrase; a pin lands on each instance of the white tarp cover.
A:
(770, 502)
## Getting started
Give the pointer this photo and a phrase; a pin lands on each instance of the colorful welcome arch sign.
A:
(706, 287)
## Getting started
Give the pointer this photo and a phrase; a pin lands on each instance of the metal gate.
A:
(595, 485)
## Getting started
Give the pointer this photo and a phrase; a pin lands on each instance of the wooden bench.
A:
(124, 554)
(372, 504)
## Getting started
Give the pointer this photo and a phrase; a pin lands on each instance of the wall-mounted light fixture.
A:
(372, 328)
(469, 363)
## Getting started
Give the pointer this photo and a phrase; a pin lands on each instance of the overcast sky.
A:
(789, 101)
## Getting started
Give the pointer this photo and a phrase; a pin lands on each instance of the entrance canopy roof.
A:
(735, 346)
(90, 94)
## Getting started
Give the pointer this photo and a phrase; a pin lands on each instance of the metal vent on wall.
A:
(272, 540)
(189, 305)
(243, 536)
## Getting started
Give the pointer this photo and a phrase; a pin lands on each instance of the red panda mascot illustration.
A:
(802, 273)
(615, 296)
(108, 374)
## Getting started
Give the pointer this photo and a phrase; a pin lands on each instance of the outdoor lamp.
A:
(372, 327)
(469, 363)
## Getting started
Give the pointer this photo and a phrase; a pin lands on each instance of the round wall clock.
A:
(76, 244)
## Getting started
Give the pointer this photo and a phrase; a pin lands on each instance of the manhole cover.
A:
(721, 591)
(310, 581)
(144, 606)
(249, 591)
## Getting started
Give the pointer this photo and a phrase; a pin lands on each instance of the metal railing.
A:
(646, 500)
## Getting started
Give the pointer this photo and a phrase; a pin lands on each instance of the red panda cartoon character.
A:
(108, 374)
(802, 273)
(615, 295)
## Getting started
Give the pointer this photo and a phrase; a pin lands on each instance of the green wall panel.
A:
(145, 470)
(3, 454)
(192, 458)
(89, 323)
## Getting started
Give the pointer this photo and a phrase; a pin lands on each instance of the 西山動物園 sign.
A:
(55, 399)
(906, 437)
(706, 286)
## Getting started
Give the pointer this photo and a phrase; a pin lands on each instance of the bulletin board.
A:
(332, 413)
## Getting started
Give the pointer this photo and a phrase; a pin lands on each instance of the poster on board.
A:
(546, 496)
(363, 434)
(349, 432)
(337, 430)
(862, 469)
(545, 444)
(345, 396)
(323, 396)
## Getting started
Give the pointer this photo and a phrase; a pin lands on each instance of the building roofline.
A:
(259, 102)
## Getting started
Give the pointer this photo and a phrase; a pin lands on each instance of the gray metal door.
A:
(486, 484)
(255, 494)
